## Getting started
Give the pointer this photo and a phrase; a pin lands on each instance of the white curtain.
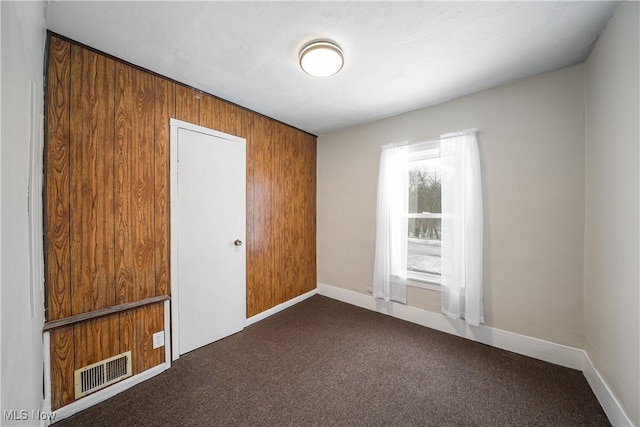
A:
(390, 263)
(461, 227)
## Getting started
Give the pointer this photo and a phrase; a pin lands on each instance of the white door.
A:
(208, 235)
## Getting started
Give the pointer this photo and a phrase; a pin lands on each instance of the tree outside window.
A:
(425, 217)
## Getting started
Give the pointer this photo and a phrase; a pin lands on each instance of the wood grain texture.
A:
(281, 262)
(78, 318)
(137, 327)
(247, 123)
(309, 202)
(135, 188)
(95, 340)
(308, 212)
(107, 205)
(56, 171)
(278, 209)
(62, 367)
(188, 104)
(292, 215)
(251, 244)
(303, 215)
(221, 115)
(260, 259)
(91, 171)
(164, 110)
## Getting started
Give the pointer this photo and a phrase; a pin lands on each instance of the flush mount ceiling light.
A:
(321, 58)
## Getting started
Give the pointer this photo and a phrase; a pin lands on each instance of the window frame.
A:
(417, 152)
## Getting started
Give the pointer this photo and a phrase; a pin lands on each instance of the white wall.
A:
(612, 256)
(23, 41)
(531, 140)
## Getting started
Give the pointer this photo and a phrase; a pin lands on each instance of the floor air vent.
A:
(99, 375)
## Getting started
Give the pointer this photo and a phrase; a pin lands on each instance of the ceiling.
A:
(399, 56)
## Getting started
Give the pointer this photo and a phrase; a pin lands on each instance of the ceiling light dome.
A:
(321, 58)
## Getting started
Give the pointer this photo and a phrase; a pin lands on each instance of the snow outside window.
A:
(424, 249)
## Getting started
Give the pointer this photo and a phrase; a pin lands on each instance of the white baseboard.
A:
(557, 354)
(539, 349)
(273, 310)
(603, 393)
(104, 394)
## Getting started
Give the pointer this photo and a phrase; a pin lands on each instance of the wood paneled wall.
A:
(107, 204)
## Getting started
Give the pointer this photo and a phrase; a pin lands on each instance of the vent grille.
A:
(102, 374)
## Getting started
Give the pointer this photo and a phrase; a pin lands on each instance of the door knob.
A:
(238, 242)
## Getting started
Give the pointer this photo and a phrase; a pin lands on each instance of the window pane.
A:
(424, 250)
(424, 186)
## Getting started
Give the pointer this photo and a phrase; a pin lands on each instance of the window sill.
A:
(424, 285)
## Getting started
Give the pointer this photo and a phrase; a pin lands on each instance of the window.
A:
(430, 193)
(424, 229)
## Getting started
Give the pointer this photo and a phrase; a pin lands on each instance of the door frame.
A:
(174, 212)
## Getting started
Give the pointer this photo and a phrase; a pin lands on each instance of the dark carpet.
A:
(327, 363)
